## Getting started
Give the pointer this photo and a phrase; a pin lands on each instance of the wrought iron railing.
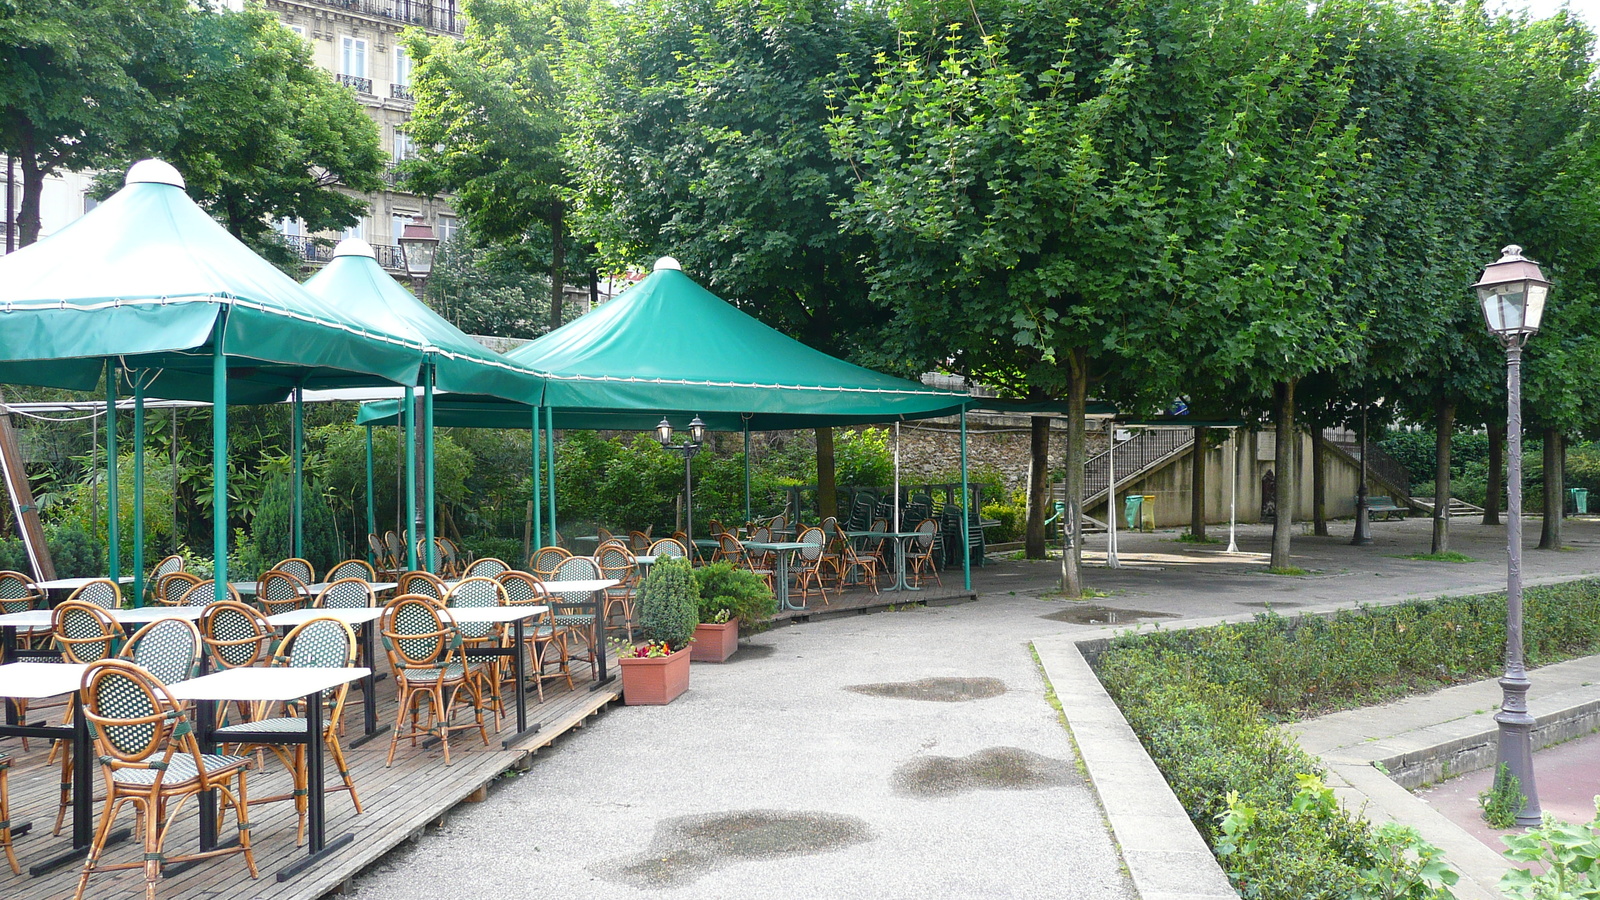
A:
(318, 250)
(438, 16)
(1379, 463)
(362, 85)
(1144, 450)
(400, 92)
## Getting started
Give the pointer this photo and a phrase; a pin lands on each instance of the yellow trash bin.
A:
(1147, 513)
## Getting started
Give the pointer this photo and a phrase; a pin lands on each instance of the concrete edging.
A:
(1166, 857)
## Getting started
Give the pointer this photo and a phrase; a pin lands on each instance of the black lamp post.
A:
(419, 245)
(1512, 292)
(1363, 535)
(697, 436)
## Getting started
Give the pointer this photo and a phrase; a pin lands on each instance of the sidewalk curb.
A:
(1167, 859)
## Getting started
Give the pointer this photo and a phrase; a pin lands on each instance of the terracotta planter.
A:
(654, 682)
(715, 643)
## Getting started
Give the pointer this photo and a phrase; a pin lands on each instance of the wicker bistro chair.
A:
(852, 560)
(236, 634)
(638, 541)
(546, 560)
(346, 593)
(397, 551)
(729, 549)
(150, 758)
(478, 592)
(5, 814)
(809, 564)
(173, 587)
(204, 593)
(920, 555)
(541, 634)
(668, 547)
(616, 562)
(382, 562)
(169, 651)
(165, 567)
(17, 595)
(316, 642)
(425, 648)
(84, 633)
(488, 567)
(102, 592)
(353, 568)
(280, 591)
(424, 584)
(573, 610)
(297, 567)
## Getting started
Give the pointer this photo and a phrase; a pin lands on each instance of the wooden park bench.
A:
(1386, 507)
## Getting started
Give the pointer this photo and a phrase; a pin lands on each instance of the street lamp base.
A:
(1515, 750)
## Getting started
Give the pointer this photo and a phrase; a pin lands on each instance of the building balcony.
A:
(442, 16)
(400, 92)
(362, 85)
(320, 252)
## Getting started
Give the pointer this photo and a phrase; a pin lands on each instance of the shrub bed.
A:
(1206, 703)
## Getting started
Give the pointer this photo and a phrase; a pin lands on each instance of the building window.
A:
(299, 30)
(290, 227)
(402, 66)
(448, 226)
(358, 230)
(398, 222)
(403, 148)
(353, 57)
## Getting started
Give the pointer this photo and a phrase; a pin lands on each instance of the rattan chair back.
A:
(476, 591)
(279, 591)
(425, 584)
(17, 593)
(353, 568)
(169, 649)
(346, 593)
(102, 592)
(546, 560)
(418, 633)
(173, 587)
(204, 593)
(668, 547)
(84, 632)
(236, 634)
(297, 567)
(488, 567)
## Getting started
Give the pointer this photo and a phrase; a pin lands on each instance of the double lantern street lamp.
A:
(697, 436)
(1512, 292)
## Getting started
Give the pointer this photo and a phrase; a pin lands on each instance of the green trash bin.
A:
(1580, 500)
(1130, 510)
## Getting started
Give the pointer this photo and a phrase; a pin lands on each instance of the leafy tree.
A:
(486, 288)
(260, 133)
(78, 85)
(490, 120)
(699, 133)
(272, 528)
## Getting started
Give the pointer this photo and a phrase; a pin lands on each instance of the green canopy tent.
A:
(360, 287)
(149, 285)
(669, 348)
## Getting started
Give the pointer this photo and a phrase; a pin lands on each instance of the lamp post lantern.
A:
(687, 449)
(1512, 292)
(419, 245)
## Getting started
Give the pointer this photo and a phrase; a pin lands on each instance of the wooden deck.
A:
(399, 802)
(860, 600)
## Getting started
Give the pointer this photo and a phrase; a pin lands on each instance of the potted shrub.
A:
(669, 608)
(730, 597)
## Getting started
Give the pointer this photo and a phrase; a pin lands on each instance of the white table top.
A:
(40, 618)
(777, 545)
(37, 680)
(645, 560)
(72, 584)
(587, 585)
(254, 587)
(348, 616)
(489, 614)
(257, 683)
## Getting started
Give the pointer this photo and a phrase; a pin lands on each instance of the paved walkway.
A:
(780, 775)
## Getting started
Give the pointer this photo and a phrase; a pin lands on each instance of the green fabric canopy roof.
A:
(669, 347)
(149, 277)
(360, 288)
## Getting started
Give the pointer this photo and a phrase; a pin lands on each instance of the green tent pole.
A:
(219, 461)
(113, 512)
(966, 509)
(550, 465)
(538, 512)
(372, 511)
(427, 467)
(410, 413)
(747, 470)
(297, 435)
(138, 489)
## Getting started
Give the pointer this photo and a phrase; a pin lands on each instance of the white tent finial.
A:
(667, 262)
(154, 171)
(354, 247)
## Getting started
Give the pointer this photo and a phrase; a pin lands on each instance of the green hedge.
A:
(1206, 702)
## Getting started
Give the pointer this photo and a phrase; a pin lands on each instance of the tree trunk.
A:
(1197, 487)
(1319, 482)
(28, 221)
(1444, 423)
(558, 261)
(1072, 516)
(1038, 486)
(1496, 477)
(827, 488)
(1555, 459)
(1284, 490)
